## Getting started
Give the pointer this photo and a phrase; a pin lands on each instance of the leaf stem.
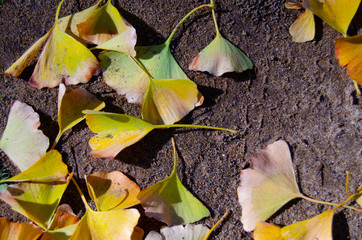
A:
(58, 10)
(140, 66)
(214, 18)
(80, 193)
(56, 140)
(168, 41)
(357, 88)
(347, 183)
(331, 204)
(194, 126)
(216, 224)
(174, 171)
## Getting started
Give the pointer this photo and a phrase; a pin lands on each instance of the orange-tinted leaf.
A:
(112, 191)
(267, 231)
(349, 52)
(267, 185)
(337, 13)
(18, 231)
(318, 227)
(21, 140)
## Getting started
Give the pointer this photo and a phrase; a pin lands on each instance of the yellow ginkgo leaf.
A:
(116, 224)
(267, 231)
(188, 232)
(49, 168)
(71, 103)
(18, 231)
(337, 13)
(318, 227)
(112, 191)
(303, 29)
(267, 185)
(36, 200)
(349, 52)
(22, 141)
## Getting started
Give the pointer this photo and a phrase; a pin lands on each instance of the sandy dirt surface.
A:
(296, 92)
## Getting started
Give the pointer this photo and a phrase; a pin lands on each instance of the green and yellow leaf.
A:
(267, 185)
(21, 140)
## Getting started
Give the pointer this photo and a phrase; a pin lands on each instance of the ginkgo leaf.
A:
(338, 14)
(137, 233)
(63, 59)
(71, 103)
(220, 57)
(188, 232)
(115, 224)
(267, 185)
(303, 29)
(63, 224)
(358, 199)
(162, 100)
(318, 227)
(170, 202)
(112, 191)
(18, 231)
(36, 200)
(21, 140)
(349, 52)
(267, 231)
(49, 168)
(106, 23)
(118, 131)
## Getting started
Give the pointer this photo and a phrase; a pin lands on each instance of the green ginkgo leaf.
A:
(112, 191)
(22, 141)
(35, 200)
(220, 56)
(71, 103)
(118, 131)
(49, 168)
(170, 202)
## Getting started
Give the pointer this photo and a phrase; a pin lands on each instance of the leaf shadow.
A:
(247, 75)
(318, 28)
(145, 151)
(356, 23)
(340, 228)
(146, 223)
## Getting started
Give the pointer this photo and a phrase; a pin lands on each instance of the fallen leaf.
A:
(267, 185)
(115, 224)
(338, 14)
(318, 227)
(170, 202)
(112, 191)
(118, 131)
(358, 199)
(63, 59)
(71, 103)
(188, 232)
(49, 168)
(104, 24)
(137, 233)
(267, 231)
(303, 29)
(18, 231)
(35, 200)
(220, 57)
(165, 96)
(349, 52)
(21, 139)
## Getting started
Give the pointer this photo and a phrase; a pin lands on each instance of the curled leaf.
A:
(303, 29)
(338, 14)
(36, 200)
(21, 140)
(267, 231)
(170, 202)
(349, 52)
(71, 103)
(112, 191)
(318, 227)
(220, 57)
(18, 231)
(267, 185)
(116, 224)
(188, 232)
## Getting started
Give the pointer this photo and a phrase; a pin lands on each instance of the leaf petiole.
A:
(214, 18)
(216, 224)
(80, 193)
(194, 126)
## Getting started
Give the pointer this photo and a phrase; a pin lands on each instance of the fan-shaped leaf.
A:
(220, 57)
(267, 231)
(21, 140)
(188, 232)
(303, 29)
(18, 231)
(267, 185)
(112, 191)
